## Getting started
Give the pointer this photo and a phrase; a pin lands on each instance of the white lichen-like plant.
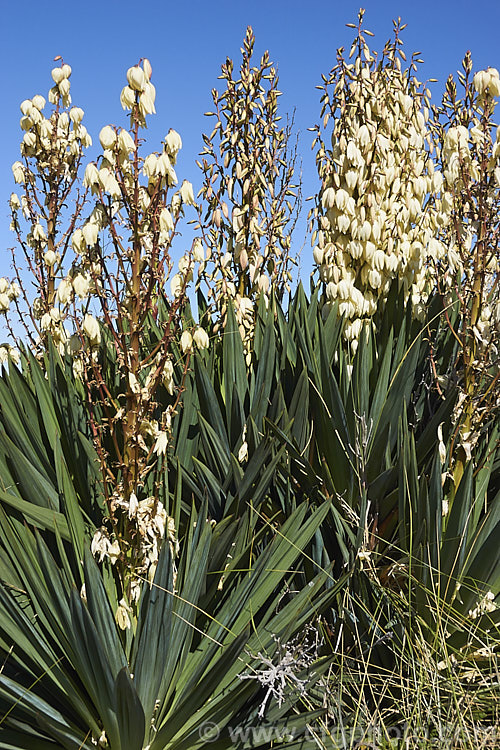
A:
(280, 675)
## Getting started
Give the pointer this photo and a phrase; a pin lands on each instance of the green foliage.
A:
(304, 485)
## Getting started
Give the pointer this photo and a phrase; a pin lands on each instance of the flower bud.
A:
(243, 259)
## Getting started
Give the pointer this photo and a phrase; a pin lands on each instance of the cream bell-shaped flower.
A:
(57, 75)
(263, 284)
(187, 194)
(78, 241)
(18, 172)
(107, 137)
(81, 285)
(76, 115)
(149, 166)
(176, 285)
(25, 106)
(64, 292)
(64, 88)
(91, 329)
(173, 143)
(91, 177)
(200, 338)
(50, 258)
(46, 322)
(161, 443)
(38, 233)
(14, 202)
(147, 99)
(494, 83)
(125, 142)
(4, 303)
(38, 102)
(328, 198)
(148, 70)
(14, 290)
(127, 97)
(136, 78)
(166, 221)
(90, 233)
(186, 341)
(163, 165)
(198, 252)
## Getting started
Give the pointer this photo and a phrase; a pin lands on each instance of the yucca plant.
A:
(76, 668)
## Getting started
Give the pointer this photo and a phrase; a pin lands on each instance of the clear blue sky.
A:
(186, 41)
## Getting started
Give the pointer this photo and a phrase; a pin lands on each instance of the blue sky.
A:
(187, 41)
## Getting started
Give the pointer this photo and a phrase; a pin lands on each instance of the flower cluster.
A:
(52, 148)
(468, 149)
(249, 192)
(378, 211)
(153, 525)
(101, 270)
